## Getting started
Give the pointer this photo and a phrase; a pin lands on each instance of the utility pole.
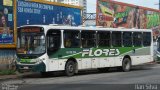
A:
(158, 4)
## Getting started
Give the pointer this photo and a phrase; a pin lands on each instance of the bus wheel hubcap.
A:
(127, 65)
(70, 68)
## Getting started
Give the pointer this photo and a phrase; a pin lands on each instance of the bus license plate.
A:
(25, 67)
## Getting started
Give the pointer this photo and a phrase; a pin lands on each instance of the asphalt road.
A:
(139, 78)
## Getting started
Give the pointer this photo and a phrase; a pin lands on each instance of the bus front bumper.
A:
(41, 67)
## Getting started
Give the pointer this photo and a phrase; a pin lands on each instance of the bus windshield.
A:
(31, 43)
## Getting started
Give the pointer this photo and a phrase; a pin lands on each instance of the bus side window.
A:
(127, 39)
(53, 41)
(146, 40)
(88, 39)
(71, 39)
(137, 39)
(104, 39)
(116, 39)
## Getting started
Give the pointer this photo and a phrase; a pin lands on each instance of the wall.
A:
(7, 58)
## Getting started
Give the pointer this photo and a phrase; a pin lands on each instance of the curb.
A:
(7, 77)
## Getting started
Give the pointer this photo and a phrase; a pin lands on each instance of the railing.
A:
(7, 59)
(89, 16)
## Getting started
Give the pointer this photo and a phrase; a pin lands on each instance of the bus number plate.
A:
(25, 68)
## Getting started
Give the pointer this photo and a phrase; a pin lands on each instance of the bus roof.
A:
(81, 28)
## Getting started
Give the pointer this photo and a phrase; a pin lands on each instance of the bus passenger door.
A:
(53, 46)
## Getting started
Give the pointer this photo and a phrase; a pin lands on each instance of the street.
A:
(139, 78)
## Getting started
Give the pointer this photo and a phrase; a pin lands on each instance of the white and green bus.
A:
(45, 48)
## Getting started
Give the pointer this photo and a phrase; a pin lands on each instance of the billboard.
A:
(15, 13)
(116, 14)
(31, 12)
(6, 22)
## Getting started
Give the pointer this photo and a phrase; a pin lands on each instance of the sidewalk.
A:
(4, 77)
(17, 75)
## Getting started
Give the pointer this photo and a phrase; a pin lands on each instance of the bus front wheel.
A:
(70, 68)
(126, 65)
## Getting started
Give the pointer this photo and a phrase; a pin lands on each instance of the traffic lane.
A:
(94, 77)
(88, 72)
(94, 80)
(139, 76)
(79, 87)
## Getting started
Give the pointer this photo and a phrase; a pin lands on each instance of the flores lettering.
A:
(100, 52)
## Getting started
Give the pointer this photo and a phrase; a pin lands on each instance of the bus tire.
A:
(70, 68)
(126, 65)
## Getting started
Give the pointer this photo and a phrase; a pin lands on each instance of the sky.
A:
(91, 4)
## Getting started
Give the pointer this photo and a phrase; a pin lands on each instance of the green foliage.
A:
(7, 72)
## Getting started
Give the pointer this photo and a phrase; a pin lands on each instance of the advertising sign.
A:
(30, 13)
(8, 2)
(116, 14)
(6, 22)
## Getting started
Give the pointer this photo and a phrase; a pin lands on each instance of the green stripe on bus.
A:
(65, 53)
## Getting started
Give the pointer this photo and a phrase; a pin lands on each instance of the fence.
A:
(7, 59)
